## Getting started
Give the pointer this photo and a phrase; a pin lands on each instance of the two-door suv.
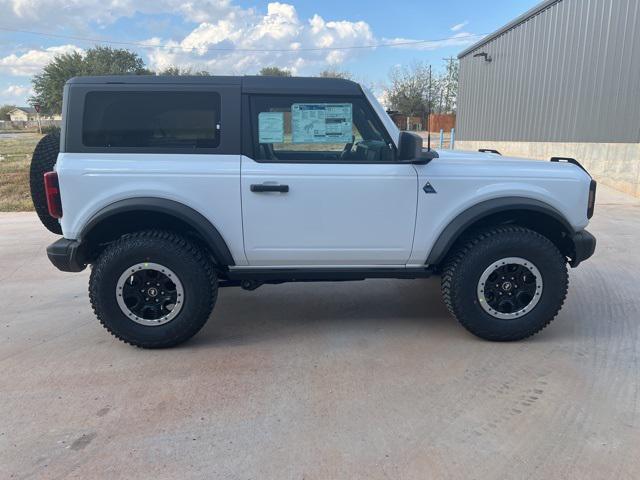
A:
(171, 187)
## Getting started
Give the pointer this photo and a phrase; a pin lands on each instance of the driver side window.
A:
(317, 130)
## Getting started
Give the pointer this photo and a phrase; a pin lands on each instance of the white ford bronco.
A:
(171, 187)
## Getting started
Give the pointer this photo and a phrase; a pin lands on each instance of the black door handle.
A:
(265, 187)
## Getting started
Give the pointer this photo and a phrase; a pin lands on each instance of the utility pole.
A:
(37, 109)
(429, 114)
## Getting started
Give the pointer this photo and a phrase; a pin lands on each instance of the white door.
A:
(332, 214)
(325, 192)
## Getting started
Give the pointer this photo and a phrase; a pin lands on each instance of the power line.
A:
(470, 37)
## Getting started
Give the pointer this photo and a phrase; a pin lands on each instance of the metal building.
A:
(562, 79)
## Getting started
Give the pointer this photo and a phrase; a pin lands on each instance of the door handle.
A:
(265, 187)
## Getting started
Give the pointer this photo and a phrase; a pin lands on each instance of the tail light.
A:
(592, 198)
(52, 192)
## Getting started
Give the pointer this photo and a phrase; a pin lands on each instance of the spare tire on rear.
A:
(43, 159)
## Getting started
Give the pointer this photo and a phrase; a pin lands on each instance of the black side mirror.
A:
(410, 147)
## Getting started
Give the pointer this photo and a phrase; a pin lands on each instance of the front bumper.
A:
(584, 245)
(67, 255)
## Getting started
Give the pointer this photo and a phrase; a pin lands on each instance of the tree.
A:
(274, 72)
(113, 61)
(49, 84)
(334, 73)
(448, 83)
(4, 111)
(409, 91)
(177, 71)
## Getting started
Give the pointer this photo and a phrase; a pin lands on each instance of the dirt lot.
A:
(365, 380)
(15, 158)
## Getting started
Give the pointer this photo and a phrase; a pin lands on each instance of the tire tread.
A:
(451, 292)
(43, 160)
(115, 249)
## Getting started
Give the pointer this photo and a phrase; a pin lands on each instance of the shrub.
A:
(51, 129)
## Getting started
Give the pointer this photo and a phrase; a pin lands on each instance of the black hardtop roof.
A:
(249, 84)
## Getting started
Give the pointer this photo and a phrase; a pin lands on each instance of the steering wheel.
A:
(347, 149)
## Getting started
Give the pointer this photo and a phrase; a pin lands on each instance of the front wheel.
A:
(506, 283)
(153, 289)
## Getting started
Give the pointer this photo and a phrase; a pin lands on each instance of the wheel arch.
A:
(135, 214)
(534, 214)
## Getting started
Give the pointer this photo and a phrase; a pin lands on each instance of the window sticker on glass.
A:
(321, 122)
(271, 127)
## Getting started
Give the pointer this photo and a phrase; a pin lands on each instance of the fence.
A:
(441, 141)
(445, 122)
(28, 125)
(437, 122)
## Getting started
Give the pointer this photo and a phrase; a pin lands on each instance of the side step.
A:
(250, 279)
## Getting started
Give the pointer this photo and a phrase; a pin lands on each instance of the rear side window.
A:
(151, 120)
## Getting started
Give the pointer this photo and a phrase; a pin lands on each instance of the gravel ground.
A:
(362, 380)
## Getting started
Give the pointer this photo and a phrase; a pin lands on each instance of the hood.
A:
(478, 156)
(492, 164)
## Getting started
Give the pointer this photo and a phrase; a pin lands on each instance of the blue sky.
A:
(240, 36)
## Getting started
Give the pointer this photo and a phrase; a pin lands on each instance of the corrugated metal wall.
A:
(571, 73)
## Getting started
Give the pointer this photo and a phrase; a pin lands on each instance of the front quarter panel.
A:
(460, 185)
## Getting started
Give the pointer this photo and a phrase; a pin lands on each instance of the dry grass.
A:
(15, 157)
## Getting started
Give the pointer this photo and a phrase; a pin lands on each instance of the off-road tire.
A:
(42, 161)
(189, 263)
(464, 267)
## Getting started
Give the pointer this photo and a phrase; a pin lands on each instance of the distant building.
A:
(23, 114)
(29, 114)
(561, 80)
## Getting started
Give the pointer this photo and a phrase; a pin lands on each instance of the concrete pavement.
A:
(362, 380)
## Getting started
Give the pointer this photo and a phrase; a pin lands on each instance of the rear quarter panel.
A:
(209, 184)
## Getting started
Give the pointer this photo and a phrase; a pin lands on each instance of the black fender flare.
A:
(188, 215)
(464, 220)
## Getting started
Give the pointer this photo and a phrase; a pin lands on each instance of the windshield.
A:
(391, 127)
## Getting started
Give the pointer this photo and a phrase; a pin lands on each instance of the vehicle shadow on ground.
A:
(295, 310)
(288, 310)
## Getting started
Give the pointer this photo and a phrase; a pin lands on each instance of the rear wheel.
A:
(153, 289)
(43, 160)
(505, 284)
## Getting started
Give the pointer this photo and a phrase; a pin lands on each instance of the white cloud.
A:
(48, 13)
(18, 91)
(227, 38)
(459, 26)
(32, 61)
(15, 95)
(234, 44)
(458, 40)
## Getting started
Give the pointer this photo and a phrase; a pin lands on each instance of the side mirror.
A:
(410, 147)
